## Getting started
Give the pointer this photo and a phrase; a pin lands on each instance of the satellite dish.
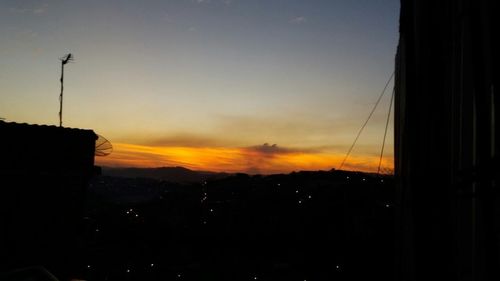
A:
(102, 146)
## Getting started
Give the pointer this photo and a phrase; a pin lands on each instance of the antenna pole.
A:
(61, 95)
(64, 60)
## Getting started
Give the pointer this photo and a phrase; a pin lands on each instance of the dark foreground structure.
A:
(44, 171)
(447, 143)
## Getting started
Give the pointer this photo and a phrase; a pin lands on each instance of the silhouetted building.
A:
(44, 172)
(446, 141)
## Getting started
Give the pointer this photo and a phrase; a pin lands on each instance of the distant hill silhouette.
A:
(171, 174)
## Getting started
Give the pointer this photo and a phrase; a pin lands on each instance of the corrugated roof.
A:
(48, 127)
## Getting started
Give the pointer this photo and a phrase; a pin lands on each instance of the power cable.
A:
(366, 122)
(385, 132)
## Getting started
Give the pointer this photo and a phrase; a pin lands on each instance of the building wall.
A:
(446, 147)
(44, 172)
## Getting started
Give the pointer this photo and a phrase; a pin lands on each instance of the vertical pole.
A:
(61, 95)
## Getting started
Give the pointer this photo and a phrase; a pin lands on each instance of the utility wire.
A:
(385, 132)
(366, 122)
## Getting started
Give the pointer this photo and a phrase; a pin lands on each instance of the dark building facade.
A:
(446, 141)
(44, 171)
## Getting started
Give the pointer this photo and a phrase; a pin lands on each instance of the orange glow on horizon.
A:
(247, 160)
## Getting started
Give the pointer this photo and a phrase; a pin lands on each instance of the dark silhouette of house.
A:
(44, 172)
(446, 141)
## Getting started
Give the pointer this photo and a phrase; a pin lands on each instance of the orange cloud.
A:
(264, 159)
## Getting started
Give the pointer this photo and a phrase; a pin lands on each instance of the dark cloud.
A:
(269, 149)
(183, 140)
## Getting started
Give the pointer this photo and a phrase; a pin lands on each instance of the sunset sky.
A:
(258, 86)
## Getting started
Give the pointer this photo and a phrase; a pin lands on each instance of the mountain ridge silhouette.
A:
(172, 174)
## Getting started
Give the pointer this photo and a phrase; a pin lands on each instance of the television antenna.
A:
(64, 60)
(102, 146)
